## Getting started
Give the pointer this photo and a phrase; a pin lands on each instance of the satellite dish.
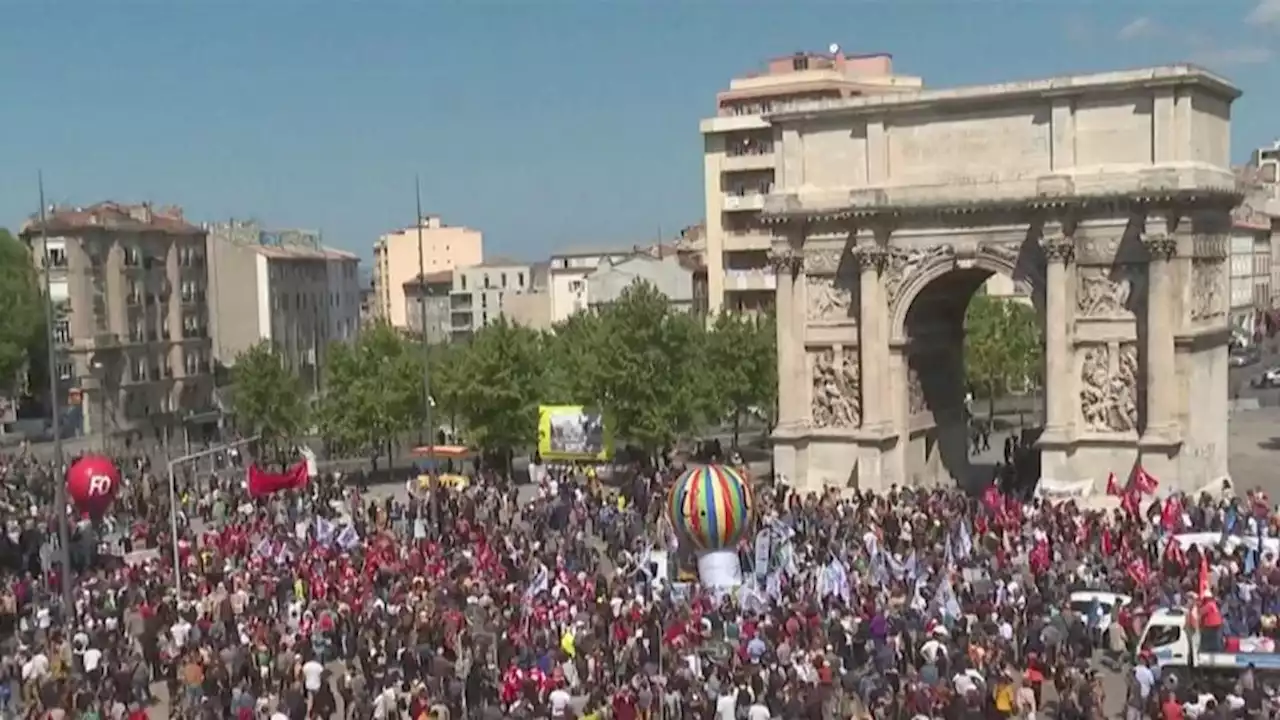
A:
(833, 48)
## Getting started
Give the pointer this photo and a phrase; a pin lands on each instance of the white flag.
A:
(324, 531)
(348, 538)
(310, 457)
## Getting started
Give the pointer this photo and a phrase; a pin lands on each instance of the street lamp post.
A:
(173, 499)
(59, 481)
(432, 471)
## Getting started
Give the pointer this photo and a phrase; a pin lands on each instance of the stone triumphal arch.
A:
(1107, 196)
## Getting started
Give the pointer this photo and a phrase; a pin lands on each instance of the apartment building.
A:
(429, 295)
(129, 285)
(669, 272)
(480, 291)
(395, 261)
(284, 286)
(740, 162)
(568, 276)
(532, 308)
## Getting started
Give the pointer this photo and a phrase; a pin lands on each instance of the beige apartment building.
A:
(284, 286)
(395, 261)
(129, 284)
(739, 160)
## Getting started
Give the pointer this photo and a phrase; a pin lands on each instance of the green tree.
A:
(573, 367)
(267, 398)
(22, 311)
(1002, 346)
(742, 354)
(373, 390)
(653, 379)
(500, 385)
(446, 382)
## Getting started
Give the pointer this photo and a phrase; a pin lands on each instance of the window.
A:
(57, 257)
(519, 279)
(62, 331)
(65, 369)
(575, 286)
(462, 280)
(504, 279)
(800, 62)
(139, 369)
(486, 281)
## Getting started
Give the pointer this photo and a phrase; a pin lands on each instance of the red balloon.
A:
(92, 482)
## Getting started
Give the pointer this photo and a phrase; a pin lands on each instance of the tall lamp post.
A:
(55, 410)
(433, 472)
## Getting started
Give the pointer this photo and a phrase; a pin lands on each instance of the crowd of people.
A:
(543, 602)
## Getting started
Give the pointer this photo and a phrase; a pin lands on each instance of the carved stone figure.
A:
(915, 392)
(822, 261)
(1109, 396)
(829, 298)
(1206, 289)
(906, 262)
(837, 401)
(785, 260)
(1103, 292)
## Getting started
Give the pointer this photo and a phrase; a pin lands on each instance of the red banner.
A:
(262, 482)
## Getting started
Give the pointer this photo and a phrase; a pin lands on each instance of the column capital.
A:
(870, 256)
(1160, 246)
(786, 259)
(1059, 248)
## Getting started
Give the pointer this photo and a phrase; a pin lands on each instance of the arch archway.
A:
(927, 322)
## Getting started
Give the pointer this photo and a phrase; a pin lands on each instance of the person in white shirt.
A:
(92, 659)
(560, 700)
(179, 632)
(313, 675)
(759, 711)
(727, 705)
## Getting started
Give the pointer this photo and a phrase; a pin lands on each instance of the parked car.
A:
(1244, 357)
(1268, 379)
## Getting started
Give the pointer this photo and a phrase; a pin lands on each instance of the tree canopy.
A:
(267, 398)
(656, 372)
(23, 311)
(1003, 347)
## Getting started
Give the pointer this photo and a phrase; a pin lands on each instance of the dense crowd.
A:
(325, 602)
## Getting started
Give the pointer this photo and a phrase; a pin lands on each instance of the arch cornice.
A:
(985, 258)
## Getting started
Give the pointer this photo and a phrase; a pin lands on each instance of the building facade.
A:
(479, 292)
(667, 272)
(129, 285)
(568, 275)
(395, 261)
(1109, 194)
(531, 309)
(739, 160)
(283, 286)
(428, 297)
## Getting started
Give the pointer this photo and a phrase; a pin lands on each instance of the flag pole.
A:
(59, 459)
(432, 471)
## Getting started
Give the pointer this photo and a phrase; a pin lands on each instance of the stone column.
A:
(1161, 373)
(873, 335)
(1059, 412)
(787, 263)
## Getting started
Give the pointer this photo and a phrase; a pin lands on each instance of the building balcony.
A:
(747, 240)
(749, 161)
(749, 201)
(460, 320)
(747, 280)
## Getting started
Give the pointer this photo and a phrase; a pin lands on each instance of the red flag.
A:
(1144, 482)
(1171, 514)
(1138, 571)
(1203, 586)
(1107, 545)
(992, 500)
(1130, 502)
(1113, 488)
(1174, 553)
(262, 482)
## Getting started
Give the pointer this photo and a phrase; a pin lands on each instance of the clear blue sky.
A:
(543, 122)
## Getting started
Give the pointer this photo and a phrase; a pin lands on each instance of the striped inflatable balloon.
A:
(711, 507)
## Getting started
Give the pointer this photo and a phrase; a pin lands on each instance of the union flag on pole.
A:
(1144, 482)
(262, 482)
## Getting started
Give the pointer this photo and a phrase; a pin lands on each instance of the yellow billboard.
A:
(573, 432)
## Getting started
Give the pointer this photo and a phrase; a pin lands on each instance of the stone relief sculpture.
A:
(915, 392)
(1109, 397)
(785, 259)
(906, 262)
(1206, 289)
(822, 261)
(837, 401)
(1098, 295)
(829, 298)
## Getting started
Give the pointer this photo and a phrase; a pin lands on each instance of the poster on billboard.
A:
(573, 432)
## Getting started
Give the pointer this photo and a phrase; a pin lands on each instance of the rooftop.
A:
(112, 216)
(303, 253)
(436, 278)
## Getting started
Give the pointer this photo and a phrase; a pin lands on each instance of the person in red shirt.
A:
(1170, 708)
